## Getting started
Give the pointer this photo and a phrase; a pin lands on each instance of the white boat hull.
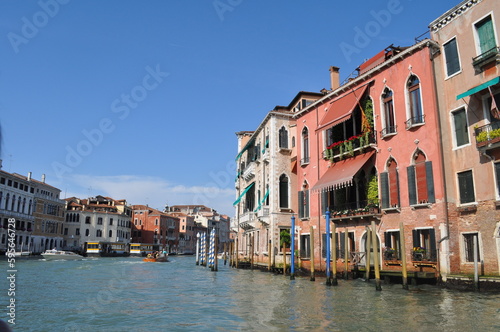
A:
(60, 255)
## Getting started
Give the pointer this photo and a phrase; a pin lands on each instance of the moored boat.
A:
(156, 258)
(54, 254)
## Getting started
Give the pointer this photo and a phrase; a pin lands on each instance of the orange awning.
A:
(341, 109)
(341, 173)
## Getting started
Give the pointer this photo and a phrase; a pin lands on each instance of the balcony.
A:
(423, 257)
(249, 171)
(486, 58)
(488, 136)
(263, 215)
(247, 220)
(351, 210)
(349, 147)
(415, 121)
(304, 161)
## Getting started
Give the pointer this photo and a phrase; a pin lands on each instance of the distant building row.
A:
(96, 225)
(413, 138)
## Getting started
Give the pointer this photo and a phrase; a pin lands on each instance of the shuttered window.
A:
(466, 187)
(451, 56)
(283, 191)
(305, 246)
(384, 187)
(304, 204)
(461, 130)
(421, 183)
(486, 35)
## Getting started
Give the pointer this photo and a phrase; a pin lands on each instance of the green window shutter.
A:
(412, 190)
(342, 244)
(324, 201)
(451, 55)
(387, 238)
(461, 130)
(384, 187)
(432, 240)
(466, 187)
(416, 238)
(430, 182)
(486, 35)
(301, 204)
(306, 204)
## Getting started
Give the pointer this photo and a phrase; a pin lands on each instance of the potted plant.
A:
(372, 194)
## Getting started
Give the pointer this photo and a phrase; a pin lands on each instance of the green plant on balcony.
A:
(285, 238)
(487, 135)
(372, 192)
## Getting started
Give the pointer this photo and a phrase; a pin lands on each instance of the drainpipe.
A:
(440, 128)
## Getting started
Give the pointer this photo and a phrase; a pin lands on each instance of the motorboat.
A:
(156, 258)
(54, 254)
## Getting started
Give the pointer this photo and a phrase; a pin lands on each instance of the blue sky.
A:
(140, 100)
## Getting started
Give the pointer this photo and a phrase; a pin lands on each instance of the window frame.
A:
(410, 123)
(471, 171)
(464, 247)
(477, 39)
(389, 100)
(453, 129)
(447, 75)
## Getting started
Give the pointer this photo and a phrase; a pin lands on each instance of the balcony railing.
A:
(249, 171)
(389, 130)
(348, 147)
(485, 58)
(415, 121)
(304, 161)
(488, 134)
(353, 209)
(391, 254)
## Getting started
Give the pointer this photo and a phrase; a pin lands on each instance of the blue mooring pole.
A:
(292, 260)
(328, 277)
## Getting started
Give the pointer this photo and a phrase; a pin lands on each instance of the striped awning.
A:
(243, 193)
(341, 174)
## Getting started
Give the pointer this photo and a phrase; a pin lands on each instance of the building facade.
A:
(467, 70)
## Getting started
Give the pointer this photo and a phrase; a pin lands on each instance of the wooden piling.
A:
(284, 258)
(207, 250)
(313, 278)
(251, 251)
(236, 253)
(269, 249)
(346, 254)
(376, 257)
(403, 255)
(476, 263)
(368, 252)
(333, 248)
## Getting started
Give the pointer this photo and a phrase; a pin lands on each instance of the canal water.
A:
(127, 294)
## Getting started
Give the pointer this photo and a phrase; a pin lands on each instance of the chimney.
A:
(29, 176)
(43, 178)
(334, 77)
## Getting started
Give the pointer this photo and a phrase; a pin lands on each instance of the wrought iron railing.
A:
(388, 130)
(349, 146)
(422, 254)
(415, 120)
(353, 209)
(485, 56)
(487, 133)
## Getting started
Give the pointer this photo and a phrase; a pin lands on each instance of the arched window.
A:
(19, 204)
(29, 206)
(415, 101)
(98, 233)
(24, 205)
(13, 203)
(420, 180)
(7, 201)
(389, 119)
(87, 232)
(283, 138)
(389, 185)
(283, 191)
(305, 147)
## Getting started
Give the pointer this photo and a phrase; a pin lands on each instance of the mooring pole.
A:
(269, 249)
(403, 255)
(334, 255)
(198, 248)
(236, 252)
(251, 251)
(375, 257)
(476, 266)
(368, 252)
(313, 278)
(284, 258)
(216, 259)
(292, 248)
(327, 242)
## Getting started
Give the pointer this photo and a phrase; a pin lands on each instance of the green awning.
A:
(243, 194)
(244, 149)
(262, 201)
(478, 88)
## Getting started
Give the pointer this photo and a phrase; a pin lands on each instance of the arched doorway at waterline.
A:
(363, 249)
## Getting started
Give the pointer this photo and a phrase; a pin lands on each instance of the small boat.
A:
(23, 252)
(54, 254)
(152, 258)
